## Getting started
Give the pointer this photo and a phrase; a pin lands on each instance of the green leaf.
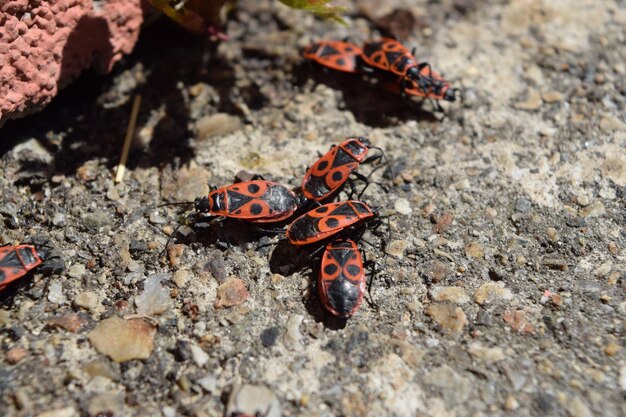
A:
(319, 8)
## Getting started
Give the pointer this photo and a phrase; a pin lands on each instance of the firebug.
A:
(341, 282)
(16, 261)
(336, 55)
(345, 218)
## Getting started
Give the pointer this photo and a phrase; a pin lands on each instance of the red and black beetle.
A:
(329, 220)
(390, 55)
(17, 261)
(332, 170)
(256, 201)
(417, 79)
(341, 283)
(336, 55)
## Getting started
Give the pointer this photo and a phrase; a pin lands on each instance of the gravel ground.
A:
(502, 291)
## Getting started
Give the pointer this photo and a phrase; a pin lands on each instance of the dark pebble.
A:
(545, 402)
(495, 275)
(522, 204)
(217, 267)
(484, 318)
(137, 247)
(269, 336)
(181, 351)
(575, 222)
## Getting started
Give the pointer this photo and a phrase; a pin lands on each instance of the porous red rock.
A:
(46, 44)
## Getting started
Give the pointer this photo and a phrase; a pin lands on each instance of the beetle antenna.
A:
(178, 203)
(393, 175)
(181, 224)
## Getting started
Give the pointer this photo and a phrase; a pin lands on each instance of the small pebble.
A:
(157, 218)
(58, 219)
(552, 97)
(231, 293)
(292, 335)
(218, 124)
(577, 408)
(558, 264)
(253, 400)
(604, 269)
(582, 200)
(612, 348)
(431, 343)
(16, 354)
(460, 185)
(123, 340)
(86, 299)
(402, 206)
(486, 355)
(511, 403)
(111, 403)
(134, 266)
(455, 295)
(610, 123)
(613, 278)
(216, 266)
(518, 321)
(76, 271)
(442, 223)
(98, 219)
(553, 235)
(522, 204)
(490, 292)
(208, 383)
(200, 357)
(449, 318)
(397, 247)
(474, 250)
(155, 299)
(593, 210)
(269, 336)
(168, 411)
(174, 253)
(181, 277)
(71, 322)
(59, 412)
(533, 101)
(55, 293)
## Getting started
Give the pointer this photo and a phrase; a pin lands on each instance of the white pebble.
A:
(402, 206)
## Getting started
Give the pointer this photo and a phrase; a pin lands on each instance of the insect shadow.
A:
(225, 233)
(313, 304)
(369, 103)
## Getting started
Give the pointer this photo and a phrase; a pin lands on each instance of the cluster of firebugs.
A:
(386, 59)
(333, 226)
(342, 279)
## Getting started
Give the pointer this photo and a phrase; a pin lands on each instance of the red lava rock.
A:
(518, 321)
(231, 293)
(45, 44)
(15, 355)
(70, 322)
